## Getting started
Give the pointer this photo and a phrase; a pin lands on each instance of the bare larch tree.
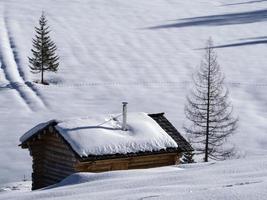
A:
(208, 110)
(44, 57)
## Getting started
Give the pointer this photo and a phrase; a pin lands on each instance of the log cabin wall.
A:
(53, 160)
(137, 162)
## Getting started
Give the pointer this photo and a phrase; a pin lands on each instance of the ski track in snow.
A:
(14, 75)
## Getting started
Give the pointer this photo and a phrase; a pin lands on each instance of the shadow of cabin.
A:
(53, 157)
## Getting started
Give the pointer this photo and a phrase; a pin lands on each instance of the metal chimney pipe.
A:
(124, 116)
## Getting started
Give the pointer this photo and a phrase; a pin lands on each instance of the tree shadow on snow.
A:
(245, 42)
(218, 20)
(246, 2)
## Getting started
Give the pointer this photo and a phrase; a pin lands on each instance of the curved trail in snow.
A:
(19, 67)
(13, 74)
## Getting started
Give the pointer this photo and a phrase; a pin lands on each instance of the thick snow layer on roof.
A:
(34, 130)
(102, 135)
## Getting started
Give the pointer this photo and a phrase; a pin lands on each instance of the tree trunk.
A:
(42, 76)
(42, 54)
(208, 113)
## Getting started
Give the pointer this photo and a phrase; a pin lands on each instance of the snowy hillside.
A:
(238, 179)
(140, 51)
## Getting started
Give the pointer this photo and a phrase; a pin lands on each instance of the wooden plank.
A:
(93, 167)
(59, 156)
(64, 165)
(37, 159)
(37, 150)
(119, 166)
(150, 166)
(49, 182)
(63, 157)
(51, 129)
(59, 151)
(36, 143)
(141, 166)
(125, 163)
(94, 170)
(137, 161)
(61, 147)
(129, 160)
(37, 166)
(56, 175)
(152, 159)
(133, 157)
(52, 177)
(57, 169)
(52, 141)
(150, 163)
(36, 176)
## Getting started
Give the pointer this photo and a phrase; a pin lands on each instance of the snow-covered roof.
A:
(102, 135)
(35, 130)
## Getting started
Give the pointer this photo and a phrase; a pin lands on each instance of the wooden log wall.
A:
(53, 160)
(137, 162)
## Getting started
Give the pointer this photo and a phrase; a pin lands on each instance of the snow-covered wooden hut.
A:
(63, 147)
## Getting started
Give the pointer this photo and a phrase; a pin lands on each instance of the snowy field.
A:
(244, 179)
(143, 52)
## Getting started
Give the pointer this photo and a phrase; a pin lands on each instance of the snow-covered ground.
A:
(140, 51)
(244, 179)
(22, 186)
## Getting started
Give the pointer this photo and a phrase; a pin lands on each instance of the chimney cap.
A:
(124, 102)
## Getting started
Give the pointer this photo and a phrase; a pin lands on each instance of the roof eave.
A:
(116, 156)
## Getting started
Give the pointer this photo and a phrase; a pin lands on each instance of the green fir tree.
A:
(44, 51)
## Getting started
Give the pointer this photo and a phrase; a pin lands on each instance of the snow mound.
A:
(102, 135)
(84, 177)
(244, 179)
(76, 178)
